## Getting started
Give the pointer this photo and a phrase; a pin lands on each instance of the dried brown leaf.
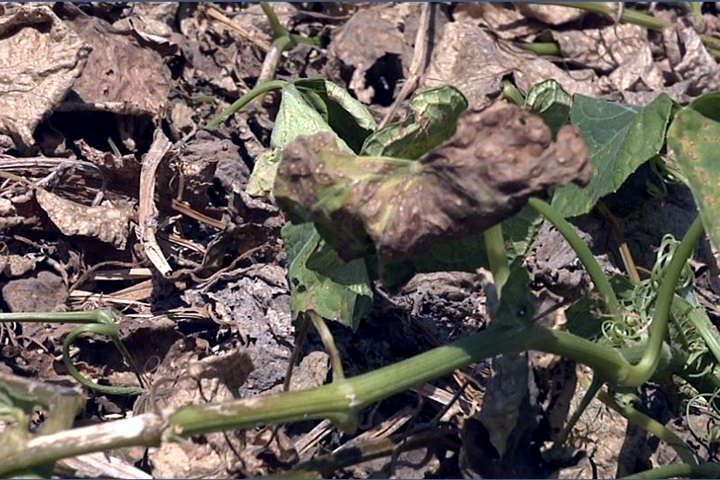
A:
(602, 49)
(482, 175)
(506, 22)
(128, 78)
(550, 14)
(690, 60)
(474, 61)
(369, 35)
(638, 72)
(107, 224)
(40, 58)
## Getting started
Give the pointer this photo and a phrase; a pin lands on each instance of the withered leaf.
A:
(107, 224)
(40, 58)
(479, 177)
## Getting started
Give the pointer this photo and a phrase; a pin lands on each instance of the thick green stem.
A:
(602, 284)
(642, 372)
(341, 401)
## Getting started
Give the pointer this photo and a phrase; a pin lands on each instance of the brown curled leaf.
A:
(482, 175)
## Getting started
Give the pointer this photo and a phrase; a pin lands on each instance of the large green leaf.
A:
(433, 119)
(346, 116)
(620, 139)
(321, 281)
(695, 140)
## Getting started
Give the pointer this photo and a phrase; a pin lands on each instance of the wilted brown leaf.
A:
(107, 224)
(475, 62)
(482, 175)
(602, 49)
(40, 57)
(119, 70)
(551, 14)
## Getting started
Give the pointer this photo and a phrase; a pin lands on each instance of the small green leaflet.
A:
(321, 281)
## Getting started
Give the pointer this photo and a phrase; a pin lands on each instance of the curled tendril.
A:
(668, 246)
(706, 400)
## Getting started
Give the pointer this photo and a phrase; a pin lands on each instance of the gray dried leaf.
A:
(121, 76)
(30, 90)
(602, 49)
(506, 22)
(474, 61)
(690, 59)
(107, 224)
(369, 35)
(550, 14)
(18, 265)
(637, 72)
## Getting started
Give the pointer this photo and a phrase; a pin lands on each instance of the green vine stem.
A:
(98, 322)
(602, 284)
(651, 426)
(629, 15)
(340, 401)
(244, 100)
(635, 17)
(642, 372)
(683, 470)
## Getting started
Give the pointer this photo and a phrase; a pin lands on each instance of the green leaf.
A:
(550, 102)
(260, 183)
(620, 139)
(333, 289)
(323, 283)
(433, 120)
(346, 116)
(295, 117)
(298, 117)
(695, 141)
(708, 105)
